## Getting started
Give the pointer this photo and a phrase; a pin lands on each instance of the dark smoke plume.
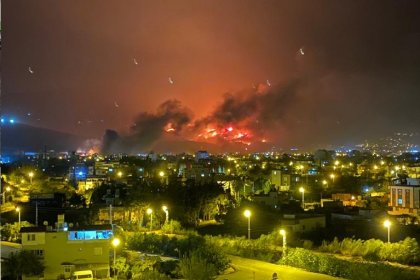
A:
(148, 127)
(254, 110)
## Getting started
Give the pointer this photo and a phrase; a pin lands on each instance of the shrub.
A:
(172, 227)
(261, 249)
(405, 252)
(196, 267)
(161, 244)
(331, 265)
(151, 275)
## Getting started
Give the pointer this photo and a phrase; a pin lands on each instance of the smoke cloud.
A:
(170, 117)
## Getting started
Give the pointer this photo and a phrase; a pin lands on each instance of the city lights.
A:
(133, 134)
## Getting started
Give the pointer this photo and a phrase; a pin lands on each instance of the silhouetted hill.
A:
(22, 137)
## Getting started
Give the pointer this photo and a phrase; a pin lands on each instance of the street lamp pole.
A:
(31, 174)
(387, 224)
(283, 233)
(115, 243)
(150, 212)
(3, 195)
(18, 210)
(165, 209)
(247, 214)
(302, 190)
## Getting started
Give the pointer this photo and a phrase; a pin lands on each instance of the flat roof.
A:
(87, 227)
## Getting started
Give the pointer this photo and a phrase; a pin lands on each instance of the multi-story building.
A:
(280, 180)
(405, 197)
(65, 251)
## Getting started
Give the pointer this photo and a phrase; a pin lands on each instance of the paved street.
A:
(248, 269)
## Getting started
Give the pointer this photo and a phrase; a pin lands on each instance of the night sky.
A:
(282, 73)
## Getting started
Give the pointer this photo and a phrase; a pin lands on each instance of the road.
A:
(248, 269)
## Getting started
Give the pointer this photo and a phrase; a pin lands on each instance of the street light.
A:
(302, 190)
(324, 183)
(150, 212)
(31, 174)
(165, 209)
(119, 174)
(387, 224)
(332, 176)
(115, 243)
(283, 233)
(18, 210)
(3, 195)
(247, 214)
(161, 174)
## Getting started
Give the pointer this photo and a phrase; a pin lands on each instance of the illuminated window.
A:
(393, 197)
(400, 199)
(89, 235)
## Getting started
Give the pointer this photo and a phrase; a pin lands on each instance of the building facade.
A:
(64, 252)
(405, 197)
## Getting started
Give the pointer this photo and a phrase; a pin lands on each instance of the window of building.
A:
(394, 197)
(97, 251)
(400, 199)
(67, 269)
(407, 198)
(39, 253)
(31, 237)
(89, 235)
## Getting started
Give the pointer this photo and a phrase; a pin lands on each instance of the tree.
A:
(10, 232)
(23, 263)
(196, 267)
(121, 266)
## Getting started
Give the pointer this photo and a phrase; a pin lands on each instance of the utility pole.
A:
(36, 212)
(110, 214)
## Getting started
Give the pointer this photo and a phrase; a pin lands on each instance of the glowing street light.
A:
(165, 209)
(149, 211)
(387, 224)
(332, 176)
(283, 233)
(31, 175)
(18, 210)
(115, 243)
(161, 174)
(3, 195)
(302, 190)
(247, 214)
(119, 174)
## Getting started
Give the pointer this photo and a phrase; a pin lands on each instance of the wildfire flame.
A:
(169, 127)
